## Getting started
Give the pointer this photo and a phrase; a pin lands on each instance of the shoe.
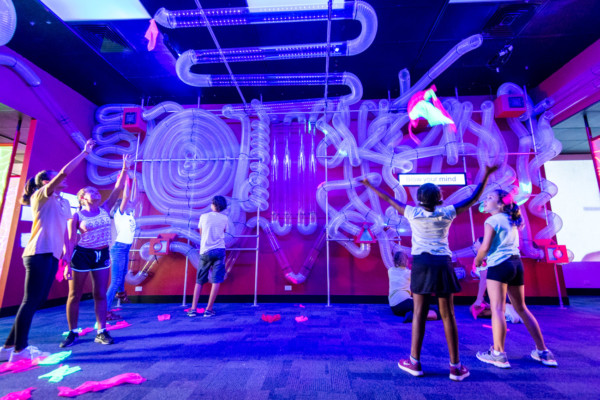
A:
(545, 357)
(408, 366)
(192, 313)
(209, 313)
(5, 353)
(69, 340)
(500, 360)
(28, 353)
(459, 373)
(511, 315)
(122, 296)
(111, 316)
(104, 338)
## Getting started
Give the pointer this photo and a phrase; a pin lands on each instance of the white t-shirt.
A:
(430, 229)
(399, 285)
(125, 226)
(213, 225)
(505, 242)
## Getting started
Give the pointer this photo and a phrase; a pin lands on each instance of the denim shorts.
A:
(212, 267)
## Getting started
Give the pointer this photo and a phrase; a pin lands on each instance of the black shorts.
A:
(433, 274)
(509, 271)
(84, 260)
(403, 307)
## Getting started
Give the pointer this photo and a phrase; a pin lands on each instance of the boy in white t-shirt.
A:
(212, 226)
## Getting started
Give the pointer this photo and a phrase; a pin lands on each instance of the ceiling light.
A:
(320, 4)
(97, 10)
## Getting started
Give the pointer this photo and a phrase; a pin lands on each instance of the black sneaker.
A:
(209, 313)
(191, 313)
(104, 338)
(69, 340)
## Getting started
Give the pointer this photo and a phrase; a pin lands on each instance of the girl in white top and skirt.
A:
(91, 255)
(506, 274)
(432, 271)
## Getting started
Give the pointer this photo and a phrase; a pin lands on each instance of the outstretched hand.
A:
(128, 160)
(89, 145)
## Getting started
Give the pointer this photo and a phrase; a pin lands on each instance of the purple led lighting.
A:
(278, 80)
(245, 54)
(243, 16)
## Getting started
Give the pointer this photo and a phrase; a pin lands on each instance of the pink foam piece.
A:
(85, 331)
(489, 326)
(22, 395)
(301, 306)
(60, 274)
(164, 317)
(271, 318)
(301, 318)
(95, 386)
(115, 310)
(18, 366)
(118, 325)
(151, 35)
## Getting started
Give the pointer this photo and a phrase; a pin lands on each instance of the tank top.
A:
(95, 231)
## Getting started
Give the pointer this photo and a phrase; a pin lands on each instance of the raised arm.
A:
(114, 195)
(125, 198)
(467, 203)
(393, 202)
(488, 236)
(69, 168)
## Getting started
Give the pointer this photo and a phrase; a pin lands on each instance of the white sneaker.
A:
(512, 315)
(28, 353)
(5, 353)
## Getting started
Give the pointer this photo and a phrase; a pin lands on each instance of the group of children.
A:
(432, 272)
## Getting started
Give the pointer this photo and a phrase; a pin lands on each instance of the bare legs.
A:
(497, 294)
(421, 309)
(214, 290)
(76, 285)
(517, 299)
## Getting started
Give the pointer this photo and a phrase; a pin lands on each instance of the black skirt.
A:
(433, 274)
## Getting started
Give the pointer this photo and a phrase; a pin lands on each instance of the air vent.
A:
(103, 38)
(509, 20)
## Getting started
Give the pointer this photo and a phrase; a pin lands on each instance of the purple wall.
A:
(49, 147)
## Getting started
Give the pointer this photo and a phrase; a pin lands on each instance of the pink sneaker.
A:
(408, 366)
(458, 374)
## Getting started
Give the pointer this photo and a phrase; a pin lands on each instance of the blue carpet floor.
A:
(340, 352)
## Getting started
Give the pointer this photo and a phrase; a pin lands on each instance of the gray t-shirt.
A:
(430, 229)
(399, 285)
(213, 225)
(505, 242)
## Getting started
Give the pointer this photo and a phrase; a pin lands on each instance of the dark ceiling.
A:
(412, 34)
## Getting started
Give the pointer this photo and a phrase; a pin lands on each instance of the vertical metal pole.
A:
(327, 233)
(464, 159)
(256, 260)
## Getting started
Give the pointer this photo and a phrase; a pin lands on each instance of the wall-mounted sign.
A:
(438, 179)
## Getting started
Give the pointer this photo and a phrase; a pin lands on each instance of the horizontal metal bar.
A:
(194, 159)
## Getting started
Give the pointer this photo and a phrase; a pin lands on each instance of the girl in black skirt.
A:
(432, 271)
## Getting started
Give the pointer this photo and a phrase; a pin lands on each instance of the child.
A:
(505, 273)
(44, 248)
(213, 226)
(432, 271)
(119, 252)
(90, 256)
(400, 298)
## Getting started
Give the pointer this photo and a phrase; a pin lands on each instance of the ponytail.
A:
(510, 208)
(33, 185)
